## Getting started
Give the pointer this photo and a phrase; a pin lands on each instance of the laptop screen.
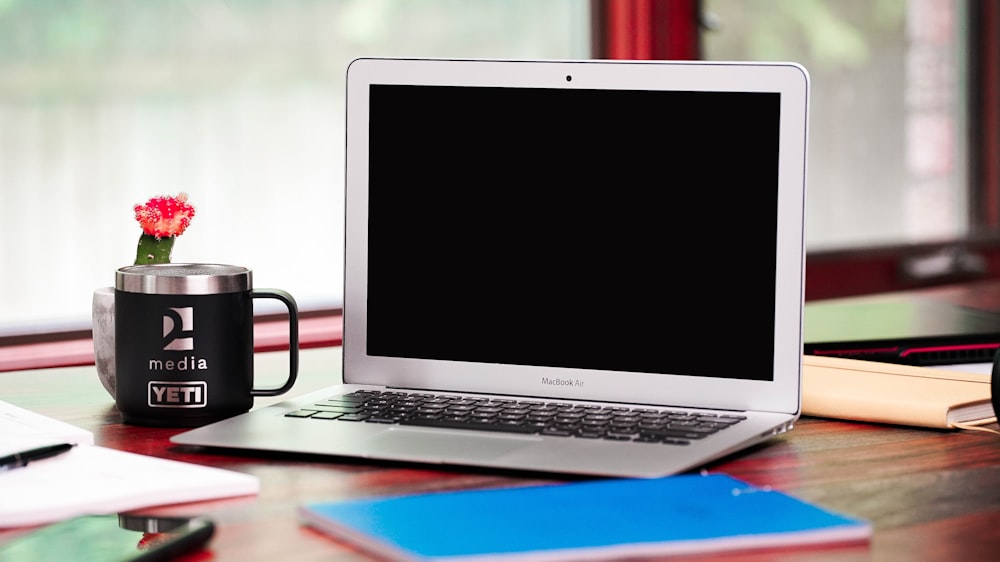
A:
(574, 228)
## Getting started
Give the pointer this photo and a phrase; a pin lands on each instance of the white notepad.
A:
(92, 479)
(19, 426)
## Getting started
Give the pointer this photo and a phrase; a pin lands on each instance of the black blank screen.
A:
(574, 228)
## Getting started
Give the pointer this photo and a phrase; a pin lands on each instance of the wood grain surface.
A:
(930, 495)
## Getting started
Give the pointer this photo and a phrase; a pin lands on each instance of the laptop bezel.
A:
(779, 395)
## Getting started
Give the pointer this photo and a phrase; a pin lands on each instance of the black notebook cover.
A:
(900, 328)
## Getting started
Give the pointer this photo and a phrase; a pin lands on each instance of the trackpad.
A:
(445, 445)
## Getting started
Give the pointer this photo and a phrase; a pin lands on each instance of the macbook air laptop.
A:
(903, 327)
(542, 273)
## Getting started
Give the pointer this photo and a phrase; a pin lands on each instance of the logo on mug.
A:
(171, 394)
(178, 329)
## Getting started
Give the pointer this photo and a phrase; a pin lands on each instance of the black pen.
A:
(24, 457)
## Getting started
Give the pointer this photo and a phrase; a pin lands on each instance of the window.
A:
(237, 103)
(904, 182)
(903, 151)
(888, 113)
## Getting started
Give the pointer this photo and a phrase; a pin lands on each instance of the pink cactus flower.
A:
(162, 217)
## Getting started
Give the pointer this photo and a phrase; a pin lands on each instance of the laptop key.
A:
(561, 432)
(467, 424)
(300, 413)
(617, 437)
(353, 417)
(383, 419)
(343, 400)
(323, 407)
(672, 434)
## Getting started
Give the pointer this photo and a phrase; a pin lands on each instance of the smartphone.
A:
(117, 538)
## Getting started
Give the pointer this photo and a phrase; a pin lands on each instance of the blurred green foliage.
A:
(829, 33)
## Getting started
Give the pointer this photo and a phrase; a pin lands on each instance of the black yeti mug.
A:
(184, 343)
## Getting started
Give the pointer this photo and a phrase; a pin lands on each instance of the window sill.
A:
(269, 335)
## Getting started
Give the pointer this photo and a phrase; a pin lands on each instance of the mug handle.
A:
(293, 340)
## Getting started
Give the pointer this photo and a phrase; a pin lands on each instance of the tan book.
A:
(871, 391)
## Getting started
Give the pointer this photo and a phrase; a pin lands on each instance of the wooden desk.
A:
(930, 495)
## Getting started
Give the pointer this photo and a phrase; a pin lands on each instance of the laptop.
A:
(550, 243)
(902, 327)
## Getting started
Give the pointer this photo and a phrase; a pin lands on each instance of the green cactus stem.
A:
(154, 250)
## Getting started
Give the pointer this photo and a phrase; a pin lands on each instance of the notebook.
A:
(906, 328)
(617, 519)
(91, 479)
(552, 238)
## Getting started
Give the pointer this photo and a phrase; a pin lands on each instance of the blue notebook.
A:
(585, 520)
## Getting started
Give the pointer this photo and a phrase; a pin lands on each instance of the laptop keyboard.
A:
(647, 425)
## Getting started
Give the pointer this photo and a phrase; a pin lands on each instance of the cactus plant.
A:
(162, 219)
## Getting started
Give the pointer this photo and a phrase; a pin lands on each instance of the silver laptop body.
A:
(561, 234)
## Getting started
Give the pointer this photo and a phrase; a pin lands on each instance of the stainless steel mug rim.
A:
(183, 279)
